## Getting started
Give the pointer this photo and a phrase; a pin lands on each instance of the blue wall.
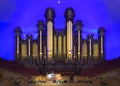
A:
(26, 13)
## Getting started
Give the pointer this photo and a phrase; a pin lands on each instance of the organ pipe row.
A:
(62, 45)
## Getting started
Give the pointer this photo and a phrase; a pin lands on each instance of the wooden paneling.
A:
(95, 50)
(84, 49)
(24, 50)
(35, 50)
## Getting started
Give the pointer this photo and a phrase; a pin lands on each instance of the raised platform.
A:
(62, 84)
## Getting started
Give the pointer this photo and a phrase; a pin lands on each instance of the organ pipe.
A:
(40, 26)
(90, 45)
(29, 48)
(79, 45)
(69, 40)
(59, 46)
(18, 33)
(50, 15)
(49, 40)
(79, 26)
(101, 32)
(55, 45)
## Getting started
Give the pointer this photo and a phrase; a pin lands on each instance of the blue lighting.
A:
(26, 13)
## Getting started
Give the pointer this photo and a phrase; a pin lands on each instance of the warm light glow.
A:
(69, 53)
(78, 52)
(40, 53)
(52, 76)
(17, 52)
(49, 54)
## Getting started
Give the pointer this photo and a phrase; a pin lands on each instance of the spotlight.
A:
(58, 1)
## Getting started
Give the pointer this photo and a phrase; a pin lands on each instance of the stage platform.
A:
(62, 84)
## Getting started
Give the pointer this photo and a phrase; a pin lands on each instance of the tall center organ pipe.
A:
(49, 40)
(50, 15)
(69, 40)
(69, 15)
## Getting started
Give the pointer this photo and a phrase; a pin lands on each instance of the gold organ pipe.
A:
(68, 37)
(64, 45)
(71, 35)
(55, 45)
(59, 46)
(78, 41)
(49, 40)
(29, 51)
(69, 40)
(18, 40)
(101, 45)
(79, 45)
(40, 43)
(90, 45)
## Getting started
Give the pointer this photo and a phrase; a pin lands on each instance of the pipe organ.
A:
(59, 46)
